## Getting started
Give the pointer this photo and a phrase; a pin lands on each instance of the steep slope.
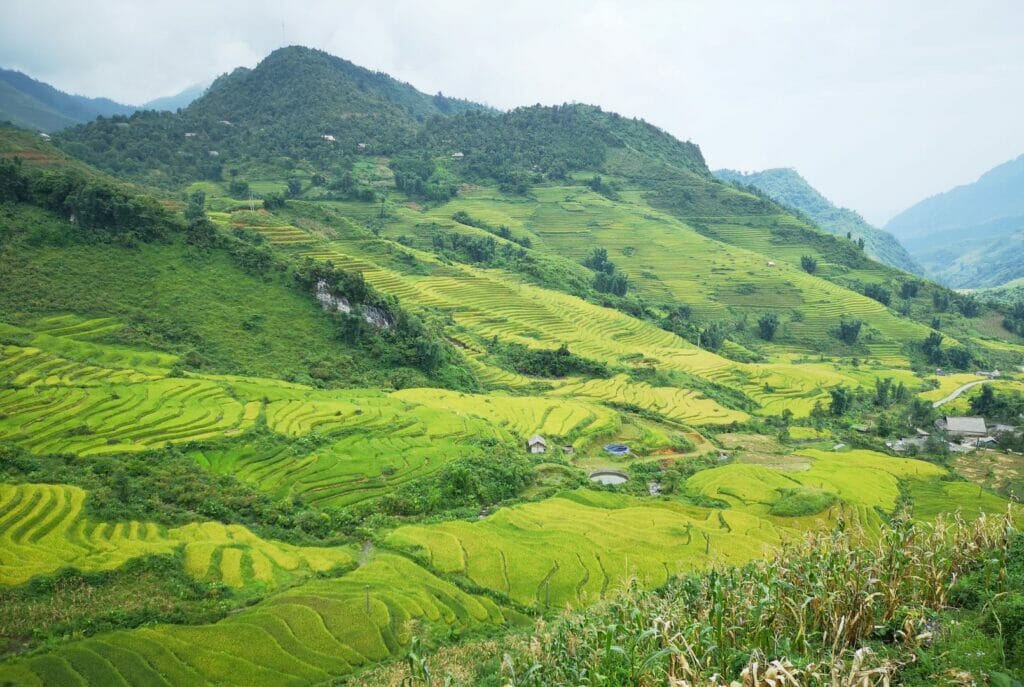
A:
(35, 105)
(973, 235)
(787, 187)
(146, 278)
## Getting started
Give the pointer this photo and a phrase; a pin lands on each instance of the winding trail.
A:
(956, 392)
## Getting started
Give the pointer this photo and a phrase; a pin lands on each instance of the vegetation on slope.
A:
(788, 188)
(925, 605)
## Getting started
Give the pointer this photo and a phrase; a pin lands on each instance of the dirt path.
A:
(957, 392)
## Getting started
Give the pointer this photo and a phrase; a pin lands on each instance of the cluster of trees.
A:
(546, 362)
(419, 176)
(1014, 319)
(767, 326)
(849, 330)
(957, 357)
(888, 393)
(606, 278)
(481, 250)
(1005, 407)
(97, 207)
(608, 189)
(809, 264)
(944, 300)
(463, 217)
(490, 473)
(879, 293)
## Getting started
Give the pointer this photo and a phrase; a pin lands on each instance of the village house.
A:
(537, 444)
(968, 427)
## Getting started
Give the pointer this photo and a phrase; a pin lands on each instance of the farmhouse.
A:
(457, 156)
(963, 426)
(537, 444)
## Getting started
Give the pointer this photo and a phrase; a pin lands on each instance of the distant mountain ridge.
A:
(971, 236)
(787, 187)
(32, 104)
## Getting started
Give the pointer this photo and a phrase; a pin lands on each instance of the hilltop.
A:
(267, 396)
(787, 187)
(973, 235)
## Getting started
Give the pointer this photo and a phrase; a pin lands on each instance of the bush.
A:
(767, 326)
(802, 501)
(879, 293)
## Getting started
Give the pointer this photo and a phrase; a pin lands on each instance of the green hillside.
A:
(788, 188)
(273, 405)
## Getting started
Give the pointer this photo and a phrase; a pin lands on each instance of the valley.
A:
(302, 382)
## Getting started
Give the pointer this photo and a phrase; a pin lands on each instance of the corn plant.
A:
(803, 618)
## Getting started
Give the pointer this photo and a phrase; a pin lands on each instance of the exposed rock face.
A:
(333, 303)
(328, 301)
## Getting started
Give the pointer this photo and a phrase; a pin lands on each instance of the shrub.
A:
(802, 501)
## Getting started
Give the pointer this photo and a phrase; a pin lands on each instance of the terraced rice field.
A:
(492, 304)
(581, 547)
(524, 416)
(126, 417)
(863, 480)
(264, 224)
(678, 405)
(43, 528)
(307, 635)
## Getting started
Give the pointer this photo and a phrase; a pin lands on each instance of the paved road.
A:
(956, 393)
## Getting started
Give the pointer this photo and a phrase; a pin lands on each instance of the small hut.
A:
(537, 444)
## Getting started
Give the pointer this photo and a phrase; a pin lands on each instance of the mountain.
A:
(973, 235)
(177, 101)
(787, 187)
(33, 104)
(271, 398)
(296, 103)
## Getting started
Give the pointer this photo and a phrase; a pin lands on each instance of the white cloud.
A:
(877, 103)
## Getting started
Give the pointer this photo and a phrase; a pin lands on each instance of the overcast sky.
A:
(877, 104)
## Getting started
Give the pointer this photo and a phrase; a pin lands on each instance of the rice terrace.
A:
(308, 377)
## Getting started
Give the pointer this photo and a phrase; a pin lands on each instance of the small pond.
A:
(609, 477)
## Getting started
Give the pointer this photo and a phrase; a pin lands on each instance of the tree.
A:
(294, 187)
(809, 264)
(841, 400)
(849, 330)
(985, 402)
(767, 325)
(712, 336)
(239, 189)
(598, 261)
(195, 210)
(273, 201)
(959, 357)
(879, 293)
(909, 289)
(932, 348)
